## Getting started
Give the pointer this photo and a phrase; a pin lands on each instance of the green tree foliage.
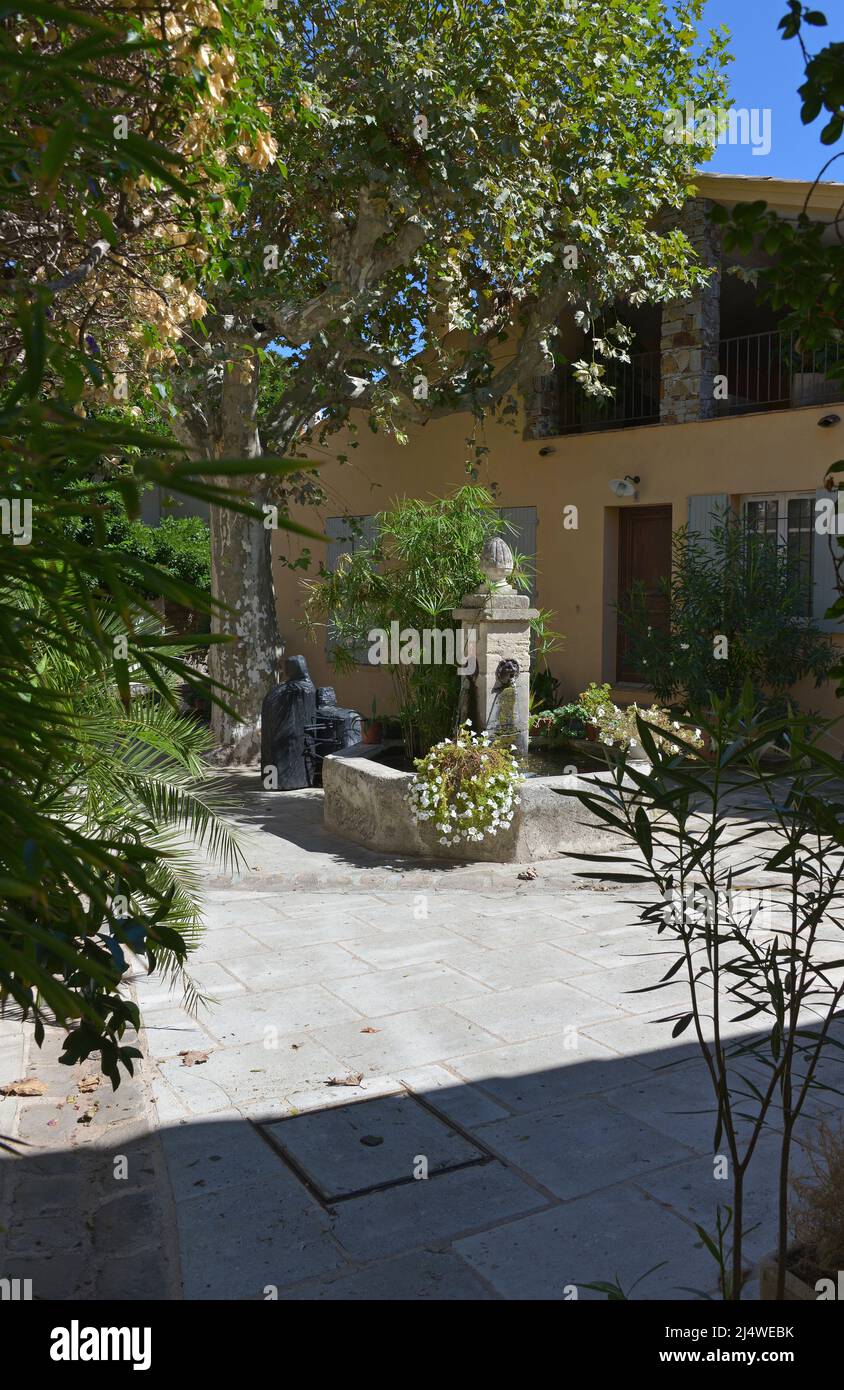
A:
(102, 779)
(447, 180)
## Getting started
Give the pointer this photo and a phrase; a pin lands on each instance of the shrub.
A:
(425, 558)
(743, 588)
(466, 786)
(817, 1220)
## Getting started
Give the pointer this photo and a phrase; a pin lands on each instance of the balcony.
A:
(761, 371)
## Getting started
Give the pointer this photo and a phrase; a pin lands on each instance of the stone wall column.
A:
(691, 330)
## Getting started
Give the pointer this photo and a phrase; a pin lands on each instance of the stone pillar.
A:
(497, 622)
(691, 329)
(542, 407)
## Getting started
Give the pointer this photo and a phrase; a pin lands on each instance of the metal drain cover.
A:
(349, 1150)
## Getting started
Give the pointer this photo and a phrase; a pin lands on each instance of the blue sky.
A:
(766, 74)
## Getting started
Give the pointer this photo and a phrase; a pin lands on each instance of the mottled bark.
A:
(241, 577)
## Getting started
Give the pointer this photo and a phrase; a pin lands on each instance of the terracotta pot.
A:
(795, 1290)
(373, 732)
(592, 733)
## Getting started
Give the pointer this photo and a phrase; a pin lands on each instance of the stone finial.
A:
(497, 563)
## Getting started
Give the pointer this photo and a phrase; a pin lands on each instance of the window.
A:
(788, 518)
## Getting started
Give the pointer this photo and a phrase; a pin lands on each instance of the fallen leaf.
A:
(193, 1059)
(354, 1080)
(370, 1030)
(89, 1083)
(87, 1115)
(29, 1086)
(528, 873)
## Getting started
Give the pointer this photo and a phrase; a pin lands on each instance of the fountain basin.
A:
(367, 802)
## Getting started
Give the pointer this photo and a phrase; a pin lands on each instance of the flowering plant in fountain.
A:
(466, 787)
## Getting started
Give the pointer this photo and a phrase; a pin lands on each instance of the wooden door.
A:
(644, 558)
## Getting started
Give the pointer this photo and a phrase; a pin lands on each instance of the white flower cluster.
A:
(465, 806)
(617, 727)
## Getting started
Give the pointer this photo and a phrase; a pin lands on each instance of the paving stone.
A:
(390, 991)
(533, 964)
(323, 1097)
(613, 1235)
(319, 962)
(128, 1222)
(405, 1040)
(60, 1275)
(451, 1096)
(679, 1103)
(219, 945)
(290, 933)
(441, 1208)
(35, 1233)
(515, 1015)
(577, 1148)
(236, 1076)
(391, 949)
(547, 1071)
(424, 1274)
(271, 1013)
(171, 1030)
(692, 1190)
(369, 1143)
(632, 986)
(212, 1155)
(513, 935)
(647, 1037)
(135, 1278)
(235, 1243)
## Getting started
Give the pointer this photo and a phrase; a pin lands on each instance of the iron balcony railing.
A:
(635, 402)
(769, 371)
(758, 371)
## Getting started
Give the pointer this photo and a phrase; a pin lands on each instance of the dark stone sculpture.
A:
(288, 716)
(336, 727)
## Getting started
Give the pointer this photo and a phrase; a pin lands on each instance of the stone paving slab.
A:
(614, 1235)
(509, 1012)
(435, 1275)
(84, 1199)
(368, 1144)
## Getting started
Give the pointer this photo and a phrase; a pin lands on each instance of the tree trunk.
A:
(241, 576)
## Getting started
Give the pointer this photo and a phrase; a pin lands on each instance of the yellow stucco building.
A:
(716, 407)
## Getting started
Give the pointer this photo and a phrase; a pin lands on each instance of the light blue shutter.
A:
(707, 511)
(824, 587)
(523, 537)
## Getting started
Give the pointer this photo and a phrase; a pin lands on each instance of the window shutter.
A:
(707, 511)
(339, 541)
(523, 537)
(824, 589)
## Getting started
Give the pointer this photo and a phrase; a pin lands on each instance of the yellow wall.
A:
(781, 451)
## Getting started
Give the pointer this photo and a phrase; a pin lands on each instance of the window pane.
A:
(762, 516)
